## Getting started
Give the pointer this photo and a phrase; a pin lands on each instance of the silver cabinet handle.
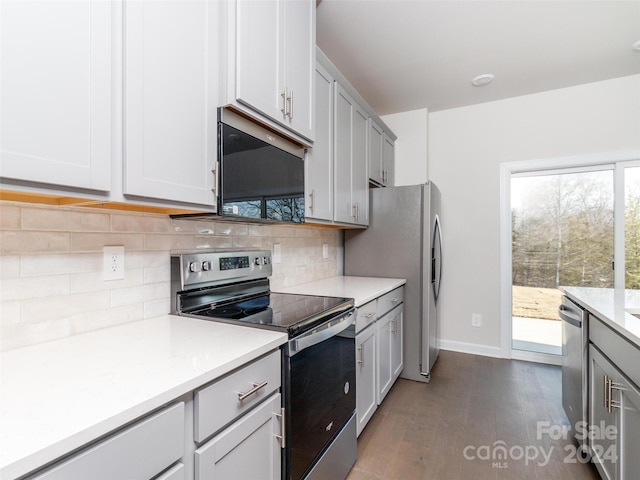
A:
(394, 328)
(395, 299)
(284, 101)
(282, 435)
(369, 315)
(290, 114)
(214, 171)
(312, 196)
(361, 351)
(256, 387)
(609, 387)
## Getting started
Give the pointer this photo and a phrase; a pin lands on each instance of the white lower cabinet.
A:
(230, 428)
(378, 352)
(366, 401)
(140, 452)
(239, 424)
(389, 350)
(249, 448)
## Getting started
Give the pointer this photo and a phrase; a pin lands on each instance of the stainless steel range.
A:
(318, 363)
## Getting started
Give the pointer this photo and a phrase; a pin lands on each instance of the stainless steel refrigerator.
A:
(404, 240)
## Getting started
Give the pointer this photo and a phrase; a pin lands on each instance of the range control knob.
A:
(195, 267)
(257, 261)
(206, 265)
(266, 260)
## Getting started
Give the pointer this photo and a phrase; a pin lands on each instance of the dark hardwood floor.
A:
(453, 427)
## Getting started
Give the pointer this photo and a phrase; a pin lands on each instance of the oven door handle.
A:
(320, 334)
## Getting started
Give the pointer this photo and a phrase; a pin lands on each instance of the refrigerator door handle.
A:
(437, 235)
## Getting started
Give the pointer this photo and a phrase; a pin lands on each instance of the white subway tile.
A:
(52, 264)
(143, 293)
(140, 223)
(65, 220)
(9, 217)
(39, 310)
(95, 242)
(19, 241)
(168, 242)
(156, 308)
(9, 266)
(24, 287)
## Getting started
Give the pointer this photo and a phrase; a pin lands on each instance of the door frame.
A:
(620, 159)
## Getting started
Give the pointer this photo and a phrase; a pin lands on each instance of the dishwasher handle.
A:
(570, 315)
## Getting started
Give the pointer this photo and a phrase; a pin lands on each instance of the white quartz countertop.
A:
(60, 395)
(361, 289)
(613, 306)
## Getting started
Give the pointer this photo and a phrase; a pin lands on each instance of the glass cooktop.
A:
(279, 311)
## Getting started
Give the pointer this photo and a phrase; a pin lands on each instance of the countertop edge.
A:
(70, 444)
(361, 289)
(603, 311)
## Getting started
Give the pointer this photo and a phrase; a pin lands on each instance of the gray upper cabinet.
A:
(381, 155)
(57, 93)
(319, 161)
(171, 88)
(350, 160)
(271, 50)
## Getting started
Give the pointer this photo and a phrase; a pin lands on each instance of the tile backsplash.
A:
(51, 262)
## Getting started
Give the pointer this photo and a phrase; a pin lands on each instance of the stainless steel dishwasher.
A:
(575, 339)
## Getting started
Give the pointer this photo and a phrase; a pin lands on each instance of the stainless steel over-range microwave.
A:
(261, 173)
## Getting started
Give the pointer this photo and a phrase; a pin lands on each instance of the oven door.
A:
(320, 392)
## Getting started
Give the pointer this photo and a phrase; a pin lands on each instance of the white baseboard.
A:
(496, 352)
(472, 348)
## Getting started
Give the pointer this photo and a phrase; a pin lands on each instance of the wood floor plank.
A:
(454, 427)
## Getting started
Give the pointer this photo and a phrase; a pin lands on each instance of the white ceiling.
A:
(408, 54)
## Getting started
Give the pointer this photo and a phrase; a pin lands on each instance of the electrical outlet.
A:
(325, 250)
(277, 253)
(476, 320)
(113, 260)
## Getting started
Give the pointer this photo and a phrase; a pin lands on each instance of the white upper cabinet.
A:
(275, 60)
(319, 161)
(56, 93)
(171, 98)
(381, 155)
(350, 160)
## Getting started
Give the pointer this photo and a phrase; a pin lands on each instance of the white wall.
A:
(411, 166)
(467, 146)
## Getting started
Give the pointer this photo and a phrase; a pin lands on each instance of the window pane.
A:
(632, 227)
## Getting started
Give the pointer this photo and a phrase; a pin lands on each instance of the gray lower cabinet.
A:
(140, 451)
(366, 361)
(249, 448)
(239, 424)
(614, 404)
(378, 352)
(229, 428)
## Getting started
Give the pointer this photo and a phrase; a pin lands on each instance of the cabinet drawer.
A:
(390, 300)
(219, 404)
(619, 350)
(365, 315)
(140, 451)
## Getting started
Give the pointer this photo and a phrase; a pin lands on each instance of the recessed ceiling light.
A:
(484, 79)
(636, 46)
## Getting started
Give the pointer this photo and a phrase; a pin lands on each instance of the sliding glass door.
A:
(562, 225)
